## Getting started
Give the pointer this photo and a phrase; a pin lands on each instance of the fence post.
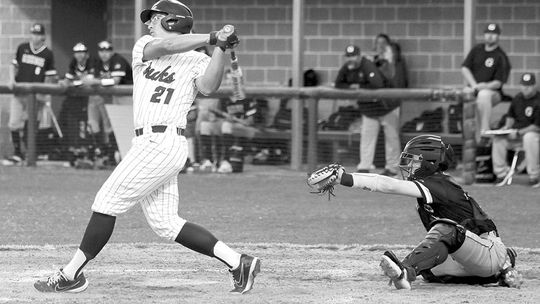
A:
(312, 153)
(31, 131)
(469, 138)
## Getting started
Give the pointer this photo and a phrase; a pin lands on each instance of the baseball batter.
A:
(462, 244)
(167, 76)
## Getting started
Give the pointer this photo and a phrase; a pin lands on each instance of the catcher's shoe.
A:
(243, 276)
(393, 268)
(509, 276)
(59, 283)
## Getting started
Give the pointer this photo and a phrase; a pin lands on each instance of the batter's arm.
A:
(210, 81)
(380, 183)
(172, 45)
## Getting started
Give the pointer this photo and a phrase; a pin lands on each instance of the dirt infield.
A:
(267, 211)
(162, 273)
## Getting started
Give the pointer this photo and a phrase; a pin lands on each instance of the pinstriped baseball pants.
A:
(148, 175)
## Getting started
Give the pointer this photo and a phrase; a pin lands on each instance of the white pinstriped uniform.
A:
(163, 92)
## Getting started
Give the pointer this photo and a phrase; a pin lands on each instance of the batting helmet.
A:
(424, 155)
(178, 17)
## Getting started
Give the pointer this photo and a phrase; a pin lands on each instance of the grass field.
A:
(313, 250)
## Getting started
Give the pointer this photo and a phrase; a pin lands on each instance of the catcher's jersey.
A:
(33, 64)
(164, 88)
(442, 198)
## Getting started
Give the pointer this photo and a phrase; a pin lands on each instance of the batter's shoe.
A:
(509, 276)
(394, 269)
(244, 276)
(59, 283)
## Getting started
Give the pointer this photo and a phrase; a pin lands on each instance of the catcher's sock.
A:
(228, 256)
(74, 267)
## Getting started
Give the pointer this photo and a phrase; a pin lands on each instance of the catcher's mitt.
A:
(324, 179)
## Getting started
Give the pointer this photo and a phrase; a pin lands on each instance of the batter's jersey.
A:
(525, 111)
(442, 198)
(33, 64)
(78, 71)
(164, 88)
(488, 66)
(117, 66)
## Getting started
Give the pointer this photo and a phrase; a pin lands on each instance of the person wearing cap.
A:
(33, 62)
(73, 114)
(111, 69)
(359, 72)
(486, 69)
(523, 123)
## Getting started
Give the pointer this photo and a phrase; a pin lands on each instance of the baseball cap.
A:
(37, 28)
(104, 45)
(352, 50)
(80, 47)
(528, 79)
(493, 28)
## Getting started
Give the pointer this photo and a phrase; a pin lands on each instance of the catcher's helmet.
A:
(178, 17)
(424, 155)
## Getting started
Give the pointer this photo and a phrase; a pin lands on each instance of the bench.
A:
(337, 138)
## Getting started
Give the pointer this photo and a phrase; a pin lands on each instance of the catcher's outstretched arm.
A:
(380, 183)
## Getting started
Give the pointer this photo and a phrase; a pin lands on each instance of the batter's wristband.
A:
(212, 40)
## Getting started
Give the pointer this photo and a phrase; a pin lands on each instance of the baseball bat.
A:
(49, 109)
(237, 78)
(236, 72)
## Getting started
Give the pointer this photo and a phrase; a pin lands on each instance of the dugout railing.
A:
(308, 95)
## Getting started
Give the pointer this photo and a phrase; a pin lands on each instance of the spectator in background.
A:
(33, 62)
(382, 40)
(73, 116)
(359, 72)
(486, 69)
(523, 117)
(111, 69)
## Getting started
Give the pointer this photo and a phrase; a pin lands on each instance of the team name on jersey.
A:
(33, 60)
(161, 76)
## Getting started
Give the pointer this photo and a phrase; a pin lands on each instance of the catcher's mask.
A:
(425, 155)
(178, 17)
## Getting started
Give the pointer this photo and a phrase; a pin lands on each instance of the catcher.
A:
(462, 244)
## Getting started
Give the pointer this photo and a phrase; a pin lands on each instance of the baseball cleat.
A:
(59, 283)
(393, 268)
(509, 276)
(244, 276)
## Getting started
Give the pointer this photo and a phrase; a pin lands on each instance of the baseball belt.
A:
(158, 129)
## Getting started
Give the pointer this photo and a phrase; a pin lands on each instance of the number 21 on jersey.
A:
(158, 95)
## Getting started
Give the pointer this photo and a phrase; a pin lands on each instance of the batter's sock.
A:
(97, 234)
(228, 256)
(74, 267)
(199, 239)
